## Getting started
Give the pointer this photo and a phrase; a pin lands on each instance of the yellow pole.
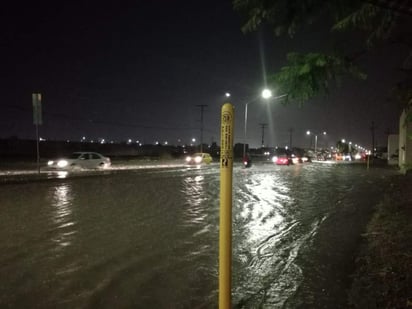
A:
(225, 225)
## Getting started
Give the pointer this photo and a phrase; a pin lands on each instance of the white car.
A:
(85, 160)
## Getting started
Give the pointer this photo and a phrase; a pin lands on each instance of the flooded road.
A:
(149, 238)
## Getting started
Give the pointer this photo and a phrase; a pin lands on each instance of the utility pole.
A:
(37, 120)
(202, 107)
(263, 125)
(290, 137)
(373, 138)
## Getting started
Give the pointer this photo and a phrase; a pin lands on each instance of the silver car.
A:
(77, 160)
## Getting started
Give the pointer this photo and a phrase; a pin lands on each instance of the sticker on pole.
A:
(226, 133)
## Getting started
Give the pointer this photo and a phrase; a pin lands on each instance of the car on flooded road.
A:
(282, 159)
(199, 158)
(299, 159)
(80, 160)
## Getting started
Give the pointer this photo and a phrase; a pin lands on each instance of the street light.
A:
(316, 141)
(266, 94)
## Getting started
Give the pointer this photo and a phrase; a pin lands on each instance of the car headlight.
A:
(50, 163)
(274, 159)
(188, 159)
(62, 163)
(198, 159)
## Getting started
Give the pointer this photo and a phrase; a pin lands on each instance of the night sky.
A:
(140, 69)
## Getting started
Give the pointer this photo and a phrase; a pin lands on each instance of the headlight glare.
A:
(62, 163)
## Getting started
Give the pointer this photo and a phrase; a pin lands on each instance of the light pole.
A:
(316, 141)
(266, 94)
(202, 107)
(263, 126)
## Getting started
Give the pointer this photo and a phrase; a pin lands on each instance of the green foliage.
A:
(360, 18)
(284, 16)
(308, 75)
(377, 22)
(287, 16)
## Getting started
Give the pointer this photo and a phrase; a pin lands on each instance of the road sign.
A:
(37, 114)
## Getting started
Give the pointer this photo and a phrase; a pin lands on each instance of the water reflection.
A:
(57, 174)
(264, 210)
(266, 243)
(62, 174)
(193, 189)
(200, 227)
(62, 216)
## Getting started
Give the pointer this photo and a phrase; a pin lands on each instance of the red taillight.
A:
(283, 160)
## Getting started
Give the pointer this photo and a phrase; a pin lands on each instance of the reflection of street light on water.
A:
(266, 94)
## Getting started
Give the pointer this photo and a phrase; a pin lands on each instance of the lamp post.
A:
(266, 94)
(316, 141)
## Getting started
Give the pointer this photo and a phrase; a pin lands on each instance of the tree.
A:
(309, 75)
(342, 147)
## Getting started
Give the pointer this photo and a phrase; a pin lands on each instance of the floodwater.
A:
(149, 238)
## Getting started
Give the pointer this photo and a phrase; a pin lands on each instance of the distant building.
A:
(393, 149)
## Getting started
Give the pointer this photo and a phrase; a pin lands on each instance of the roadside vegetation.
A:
(384, 267)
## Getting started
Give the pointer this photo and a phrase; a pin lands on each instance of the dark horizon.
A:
(140, 71)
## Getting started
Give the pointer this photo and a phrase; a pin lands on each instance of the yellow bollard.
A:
(225, 225)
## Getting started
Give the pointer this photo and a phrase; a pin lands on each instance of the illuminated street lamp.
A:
(316, 140)
(266, 94)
